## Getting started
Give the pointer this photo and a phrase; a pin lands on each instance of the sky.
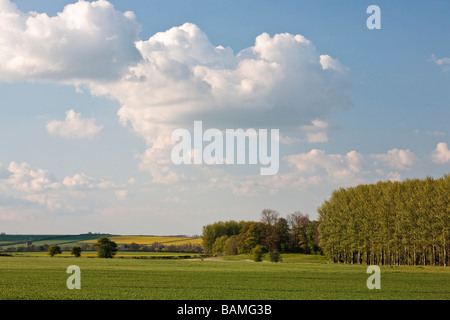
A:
(91, 92)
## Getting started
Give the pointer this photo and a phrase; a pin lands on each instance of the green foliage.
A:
(76, 251)
(275, 256)
(106, 248)
(294, 234)
(231, 245)
(53, 250)
(216, 230)
(257, 253)
(250, 236)
(391, 223)
(219, 246)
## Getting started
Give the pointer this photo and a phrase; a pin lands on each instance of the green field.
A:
(120, 254)
(41, 277)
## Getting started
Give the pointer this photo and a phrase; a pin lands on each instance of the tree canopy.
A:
(272, 233)
(106, 248)
(404, 222)
(54, 249)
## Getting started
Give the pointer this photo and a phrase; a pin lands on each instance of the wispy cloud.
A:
(442, 62)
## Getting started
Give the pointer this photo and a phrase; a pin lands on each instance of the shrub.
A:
(258, 253)
(275, 256)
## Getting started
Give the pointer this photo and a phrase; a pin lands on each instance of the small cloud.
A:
(435, 133)
(317, 132)
(82, 181)
(441, 154)
(444, 63)
(74, 126)
(79, 180)
(289, 140)
(20, 176)
(337, 166)
(394, 176)
(396, 158)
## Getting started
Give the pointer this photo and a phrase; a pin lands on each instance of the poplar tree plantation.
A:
(393, 223)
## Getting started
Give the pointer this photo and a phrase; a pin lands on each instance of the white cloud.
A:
(171, 79)
(87, 40)
(335, 166)
(82, 181)
(442, 62)
(289, 140)
(52, 201)
(22, 185)
(74, 126)
(20, 181)
(279, 82)
(21, 177)
(79, 180)
(317, 132)
(441, 154)
(435, 133)
(396, 158)
(394, 176)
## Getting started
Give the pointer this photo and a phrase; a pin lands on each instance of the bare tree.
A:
(269, 217)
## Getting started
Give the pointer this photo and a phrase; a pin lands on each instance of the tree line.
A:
(104, 246)
(393, 223)
(273, 234)
(154, 247)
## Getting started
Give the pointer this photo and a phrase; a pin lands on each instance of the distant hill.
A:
(7, 240)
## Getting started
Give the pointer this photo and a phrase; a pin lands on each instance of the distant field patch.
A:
(151, 239)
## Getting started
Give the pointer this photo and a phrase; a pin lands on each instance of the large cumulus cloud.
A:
(175, 77)
(280, 82)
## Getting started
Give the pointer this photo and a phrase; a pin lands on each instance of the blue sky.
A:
(84, 148)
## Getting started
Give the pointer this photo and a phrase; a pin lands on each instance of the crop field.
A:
(76, 240)
(151, 239)
(38, 240)
(120, 254)
(40, 277)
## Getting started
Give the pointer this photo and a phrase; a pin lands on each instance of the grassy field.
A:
(41, 277)
(120, 254)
